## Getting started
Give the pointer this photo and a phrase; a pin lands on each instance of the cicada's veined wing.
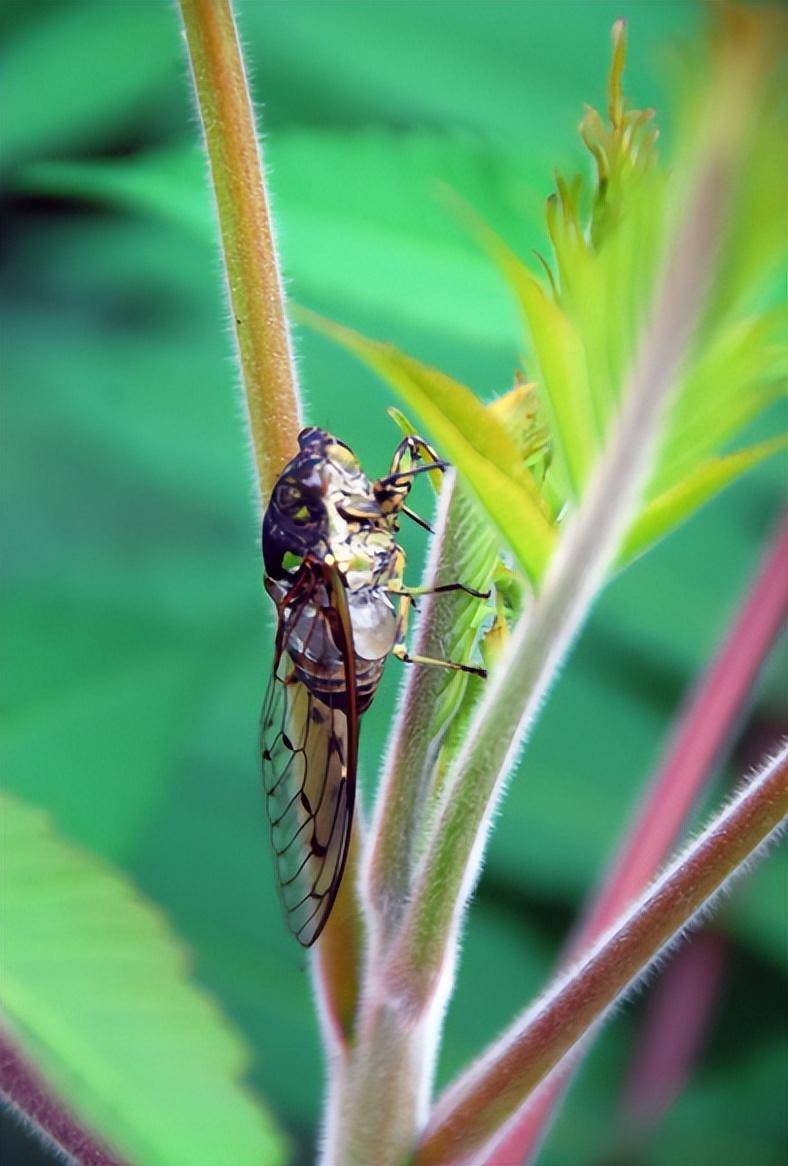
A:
(309, 750)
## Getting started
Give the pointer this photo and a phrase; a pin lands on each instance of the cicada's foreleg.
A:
(401, 652)
(401, 479)
(417, 519)
(392, 490)
(418, 450)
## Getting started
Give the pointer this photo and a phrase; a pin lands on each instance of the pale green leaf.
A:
(675, 505)
(562, 364)
(94, 988)
(736, 373)
(471, 438)
(559, 353)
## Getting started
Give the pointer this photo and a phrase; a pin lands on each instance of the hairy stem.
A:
(248, 248)
(410, 751)
(713, 707)
(29, 1100)
(576, 574)
(471, 1113)
(267, 366)
(464, 548)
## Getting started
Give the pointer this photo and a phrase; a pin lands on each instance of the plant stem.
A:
(267, 367)
(463, 548)
(337, 958)
(248, 248)
(675, 1027)
(29, 1099)
(383, 1092)
(713, 707)
(471, 1113)
(576, 574)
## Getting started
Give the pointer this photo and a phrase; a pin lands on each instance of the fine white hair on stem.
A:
(575, 576)
(613, 967)
(707, 908)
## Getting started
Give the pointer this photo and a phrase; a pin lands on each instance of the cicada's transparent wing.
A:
(309, 754)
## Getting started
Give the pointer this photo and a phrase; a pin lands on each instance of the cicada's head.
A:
(317, 494)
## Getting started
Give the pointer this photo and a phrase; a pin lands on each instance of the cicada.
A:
(335, 573)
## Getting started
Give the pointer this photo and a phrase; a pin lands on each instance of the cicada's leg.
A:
(392, 490)
(442, 589)
(417, 519)
(418, 449)
(401, 652)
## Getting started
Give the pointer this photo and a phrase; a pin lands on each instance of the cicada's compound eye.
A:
(295, 504)
(288, 497)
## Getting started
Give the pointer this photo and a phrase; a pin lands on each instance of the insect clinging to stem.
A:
(335, 573)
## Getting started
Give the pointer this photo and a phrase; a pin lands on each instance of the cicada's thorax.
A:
(349, 525)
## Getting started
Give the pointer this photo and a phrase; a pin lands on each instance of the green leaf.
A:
(670, 508)
(562, 365)
(94, 987)
(470, 436)
(736, 373)
(74, 71)
(358, 217)
(559, 353)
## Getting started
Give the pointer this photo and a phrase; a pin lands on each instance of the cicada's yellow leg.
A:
(442, 589)
(414, 447)
(401, 652)
(392, 490)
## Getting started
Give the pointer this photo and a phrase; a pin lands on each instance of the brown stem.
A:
(260, 323)
(248, 247)
(336, 966)
(470, 1114)
(712, 708)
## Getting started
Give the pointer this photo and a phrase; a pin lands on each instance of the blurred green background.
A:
(137, 632)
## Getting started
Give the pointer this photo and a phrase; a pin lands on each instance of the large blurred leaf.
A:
(90, 683)
(94, 986)
(361, 217)
(330, 65)
(73, 71)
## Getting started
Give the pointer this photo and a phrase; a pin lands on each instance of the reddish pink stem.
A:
(710, 712)
(676, 1022)
(472, 1111)
(32, 1103)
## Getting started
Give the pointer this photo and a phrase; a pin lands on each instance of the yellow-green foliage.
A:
(585, 312)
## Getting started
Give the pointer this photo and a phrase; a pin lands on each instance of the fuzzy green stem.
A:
(576, 574)
(248, 248)
(380, 1102)
(465, 549)
(471, 1113)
